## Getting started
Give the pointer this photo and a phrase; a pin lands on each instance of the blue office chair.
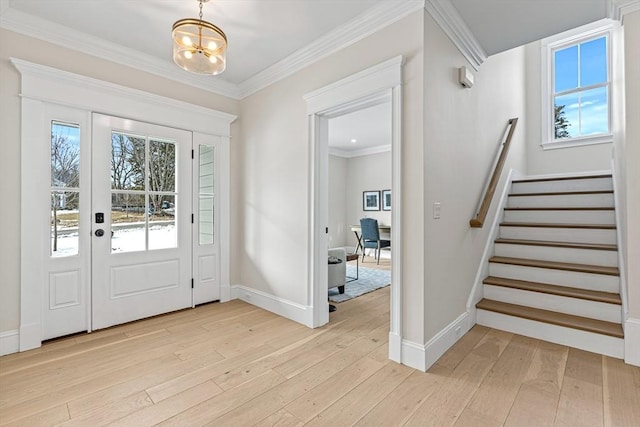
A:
(371, 237)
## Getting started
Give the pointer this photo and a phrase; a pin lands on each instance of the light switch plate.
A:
(436, 210)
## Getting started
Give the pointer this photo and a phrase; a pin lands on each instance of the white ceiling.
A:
(370, 127)
(270, 39)
(499, 25)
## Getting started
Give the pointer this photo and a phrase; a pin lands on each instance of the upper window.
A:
(577, 94)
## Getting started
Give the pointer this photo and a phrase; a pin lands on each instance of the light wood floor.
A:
(235, 365)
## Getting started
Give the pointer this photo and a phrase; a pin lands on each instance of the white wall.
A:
(562, 160)
(276, 171)
(348, 178)
(367, 173)
(462, 130)
(338, 223)
(22, 47)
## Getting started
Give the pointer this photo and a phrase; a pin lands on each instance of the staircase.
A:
(554, 274)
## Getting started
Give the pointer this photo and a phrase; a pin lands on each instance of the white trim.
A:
(77, 91)
(477, 291)
(632, 341)
(359, 88)
(547, 45)
(377, 82)
(361, 152)
(619, 8)
(32, 26)
(422, 357)
(280, 306)
(369, 22)
(448, 18)
(9, 342)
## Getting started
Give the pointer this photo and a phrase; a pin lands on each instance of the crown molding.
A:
(448, 18)
(617, 9)
(358, 28)
(348, 154)
(32, 26)
(371, 21)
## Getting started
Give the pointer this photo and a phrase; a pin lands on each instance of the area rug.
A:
(369, 279)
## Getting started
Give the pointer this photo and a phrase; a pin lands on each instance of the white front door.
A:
(141, 220)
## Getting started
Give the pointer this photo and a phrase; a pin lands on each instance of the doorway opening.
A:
(370, 87)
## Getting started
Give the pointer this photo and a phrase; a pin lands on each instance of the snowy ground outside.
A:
(126, 239)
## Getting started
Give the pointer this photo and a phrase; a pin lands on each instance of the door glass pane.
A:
(206, 195)
(127, 161)
(128, 222)
(65, 189)
(64, 223)
(162, 166)
(65, 155)
(162, 224)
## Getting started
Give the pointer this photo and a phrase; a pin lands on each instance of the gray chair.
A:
(370, 236)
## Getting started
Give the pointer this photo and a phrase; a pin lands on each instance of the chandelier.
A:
(199, 46)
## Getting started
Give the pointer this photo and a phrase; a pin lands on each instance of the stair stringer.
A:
(477, 291)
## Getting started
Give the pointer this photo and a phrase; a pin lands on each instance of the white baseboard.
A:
(632, 341)
(280, 306)
(9, 342)
(422, 357)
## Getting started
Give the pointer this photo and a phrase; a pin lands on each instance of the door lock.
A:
(99, 232)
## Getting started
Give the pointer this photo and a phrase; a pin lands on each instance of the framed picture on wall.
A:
(386, 200)
(370, 200)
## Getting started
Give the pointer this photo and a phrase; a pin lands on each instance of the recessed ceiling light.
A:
(354, 140)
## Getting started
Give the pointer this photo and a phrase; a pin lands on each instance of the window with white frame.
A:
(577, 90)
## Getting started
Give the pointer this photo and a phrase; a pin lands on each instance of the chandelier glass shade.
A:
(199, 46)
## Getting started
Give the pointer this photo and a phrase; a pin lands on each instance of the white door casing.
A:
(45, 90)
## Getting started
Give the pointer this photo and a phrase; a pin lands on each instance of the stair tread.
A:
(558, 225)
(556, 208)
(562, 178)
(599, 246)
(552, 317)
(585, 294)
(562, 193)
(567, 266)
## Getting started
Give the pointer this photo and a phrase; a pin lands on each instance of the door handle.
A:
(99, 232)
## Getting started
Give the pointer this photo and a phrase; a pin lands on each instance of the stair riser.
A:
(593, 184)
(575, 235)
(594, 282)
(575, 306)
(570, 255)
(588, 341)
(561, 201)
(562, 217)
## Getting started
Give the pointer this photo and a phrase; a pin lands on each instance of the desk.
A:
(383, 229)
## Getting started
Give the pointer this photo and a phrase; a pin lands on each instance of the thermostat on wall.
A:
(465, 77)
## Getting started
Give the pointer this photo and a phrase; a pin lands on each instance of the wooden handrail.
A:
(481, 213)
